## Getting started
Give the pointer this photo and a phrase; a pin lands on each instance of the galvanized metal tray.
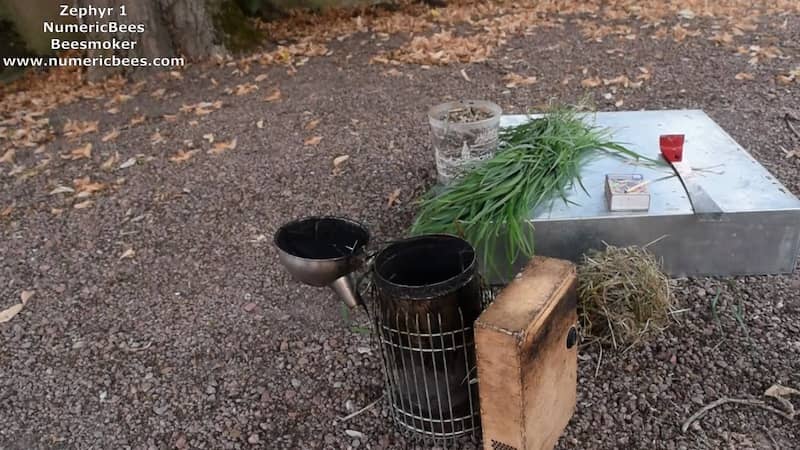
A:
(743, 221)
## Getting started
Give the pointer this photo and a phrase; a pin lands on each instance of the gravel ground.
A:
(199, 340)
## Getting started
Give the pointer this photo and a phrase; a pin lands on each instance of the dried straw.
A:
(624, 295)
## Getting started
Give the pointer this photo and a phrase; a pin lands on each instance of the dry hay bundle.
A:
(624, 295)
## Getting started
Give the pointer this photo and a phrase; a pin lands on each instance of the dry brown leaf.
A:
(679, 33)
(9, 313)
(182, 156)
(221, 147)
(591, 82)
(313, 140)
(394, 198)
(85, 185)
(622, 80)
(261, 78)
(8, 156)
(110, 162)
(244, 89)
(5, 212)
(158, 93)
(311, 124)
(111, 135)
(513, 80)
(80, 152)
(744, 76)
(156, 138)
(75, 128)
(337, 162)
(170, 117)
(129, 253)
(274, 96)
(83, 205)
(137, 120)
(113, 110)
(25, 296)
(175, 74)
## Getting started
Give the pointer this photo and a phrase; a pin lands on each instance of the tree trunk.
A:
(171, 28)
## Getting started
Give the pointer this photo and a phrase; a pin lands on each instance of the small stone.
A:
(354, 434)
(249, 307)
(295, 383)
(253, 439)
(180, 444)
(284, 346)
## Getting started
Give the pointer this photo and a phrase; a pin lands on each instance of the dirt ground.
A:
(161, 319)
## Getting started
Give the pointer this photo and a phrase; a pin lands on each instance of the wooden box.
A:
(527, 357)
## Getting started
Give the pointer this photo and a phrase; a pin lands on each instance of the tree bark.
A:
(171, 28)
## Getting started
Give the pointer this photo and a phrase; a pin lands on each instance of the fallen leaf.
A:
(394, 198)
(9, 313)
(209, 137)
(311, 124)
(137, 120)
(339, 160)
(170, 117)
(83, 205)
(158, 93)
(113, 110)
(85, 185)
(128, 163)
(8, 156)
(75, 128)
(25, 296)
(62, 190)
(679, 33)
(780, 393)
(260, 124)
(313, 140)
(221, 147)
(244, 89)
(274, 97)
(110, 162)
(175, 74)
(182, 156)
(261, 78)
(5, 212)
(111, 135)
(591, 82)
(129, 253)
(513, 80)
(80, 152)
(156, 138)
(744, 76)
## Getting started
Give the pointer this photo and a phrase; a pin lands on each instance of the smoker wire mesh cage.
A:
(431, 378)
(427, 346)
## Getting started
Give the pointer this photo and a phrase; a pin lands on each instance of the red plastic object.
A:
(671, 147)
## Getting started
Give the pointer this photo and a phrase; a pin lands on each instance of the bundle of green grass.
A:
(537, 162)
(624, 296)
